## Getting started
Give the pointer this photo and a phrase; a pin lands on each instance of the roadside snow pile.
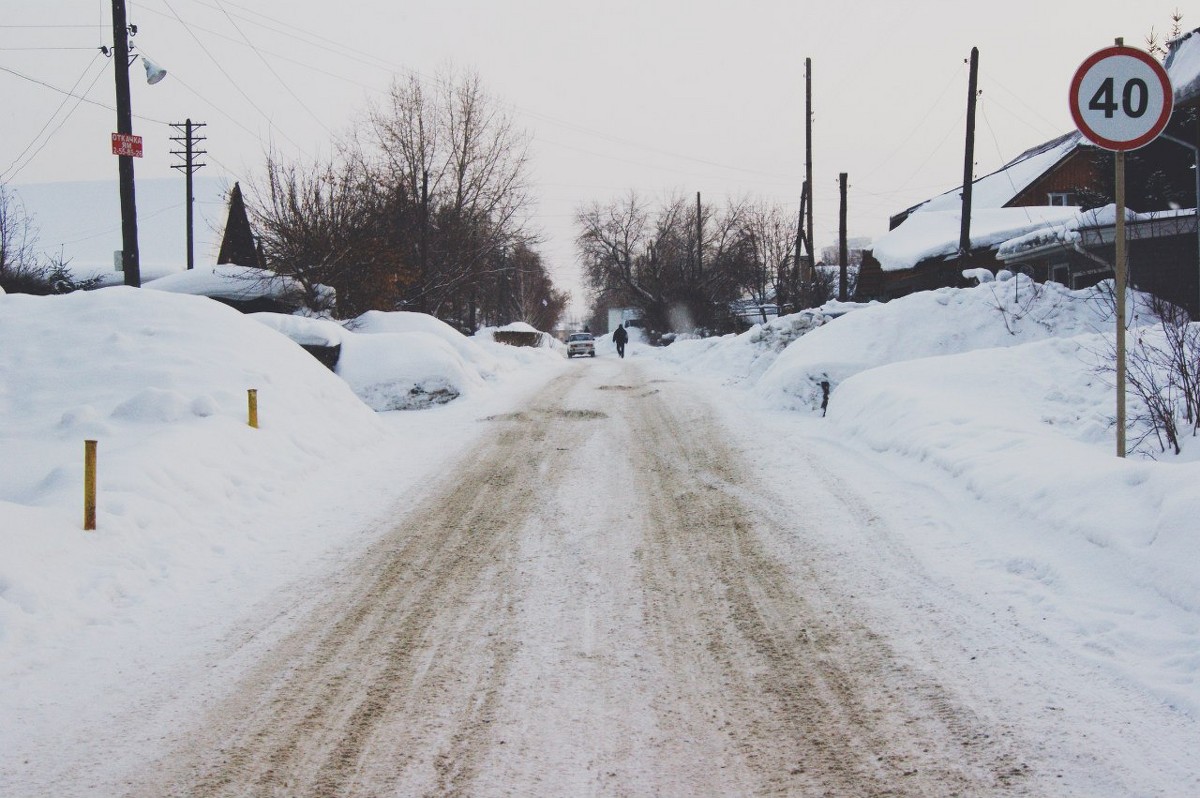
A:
(1009, 311)
(303, 330)
(748, 355)
(405, 360)
(1029, 427)
(406, 371)
(547, 344)
(378, 322)
(160, 380)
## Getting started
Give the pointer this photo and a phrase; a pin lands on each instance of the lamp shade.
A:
(154, 73)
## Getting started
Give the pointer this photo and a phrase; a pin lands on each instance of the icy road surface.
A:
(608, 597)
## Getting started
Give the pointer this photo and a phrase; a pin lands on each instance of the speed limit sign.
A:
(1121, 98)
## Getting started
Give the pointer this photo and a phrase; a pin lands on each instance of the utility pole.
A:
(699, 239)
(964, 238)
(189, 166)
(843, 294)
(801, 243)
(808, 166)
(130, 262)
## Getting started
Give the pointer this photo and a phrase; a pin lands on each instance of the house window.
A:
(1060, 273)
(1061, 199)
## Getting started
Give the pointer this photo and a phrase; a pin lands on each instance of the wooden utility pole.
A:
(130, 262)
(699, 239)
(808, 165)
(964, 238)
(843, 293)
(189, 165)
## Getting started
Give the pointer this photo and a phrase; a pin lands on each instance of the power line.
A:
(229, 77)
(87, 100)
(267, 64)
(379, 63)
(38, 135)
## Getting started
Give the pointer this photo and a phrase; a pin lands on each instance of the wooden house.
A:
(1050, 188)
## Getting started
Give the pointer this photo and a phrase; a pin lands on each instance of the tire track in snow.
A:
(393, 681)
(812, 696)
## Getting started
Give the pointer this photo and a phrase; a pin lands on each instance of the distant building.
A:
(630, 317)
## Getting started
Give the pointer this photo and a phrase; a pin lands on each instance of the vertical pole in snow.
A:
(252, 407)
(964, 237)
(843, 294)
(89, 485)
(1119, 288)
(130, 260)
(808, 165)
(699, 239)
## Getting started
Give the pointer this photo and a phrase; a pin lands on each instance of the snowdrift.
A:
(1007, 312)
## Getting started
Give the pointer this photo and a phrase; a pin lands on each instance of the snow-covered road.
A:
(615, 593)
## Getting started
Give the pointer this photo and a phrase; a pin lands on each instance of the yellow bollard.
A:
(252, 399)
(89, 485)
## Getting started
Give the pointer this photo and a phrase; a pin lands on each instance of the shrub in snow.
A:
(1163, 375)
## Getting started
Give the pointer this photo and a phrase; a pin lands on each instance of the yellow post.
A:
(252, 399)
(89, 485)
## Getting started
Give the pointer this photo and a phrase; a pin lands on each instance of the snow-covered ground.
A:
(990, 397)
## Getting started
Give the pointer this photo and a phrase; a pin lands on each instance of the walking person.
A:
(619, 338)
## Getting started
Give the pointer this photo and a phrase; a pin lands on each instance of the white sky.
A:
(657, 95)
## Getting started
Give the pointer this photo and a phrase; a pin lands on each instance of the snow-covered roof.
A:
(232, 282)
(1002, 186)
(1183, 66)
(238, 283)
(1068, 232)
(932, 234)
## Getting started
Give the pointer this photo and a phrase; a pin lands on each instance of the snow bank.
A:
(407, 361)
(160, 381)
(1001, 313)
(748, 355)
(406, 371)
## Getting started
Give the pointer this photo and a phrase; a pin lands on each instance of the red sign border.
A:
(1158, 127)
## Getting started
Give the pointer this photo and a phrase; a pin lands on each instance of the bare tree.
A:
(681, 279)
(18, 238)
(460, 158)
(418, 210)
(770, 235)
(319, 224)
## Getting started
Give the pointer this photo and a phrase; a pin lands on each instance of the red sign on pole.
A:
(127, 145)
(1121, 98)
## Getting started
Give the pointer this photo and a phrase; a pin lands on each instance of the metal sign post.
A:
(1121, 99)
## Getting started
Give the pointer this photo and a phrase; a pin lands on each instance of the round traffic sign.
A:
(1121, 98)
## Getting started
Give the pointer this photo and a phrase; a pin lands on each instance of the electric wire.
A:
(87, 100)
(9, 172)
(870, 172)
(379, 63)
(267, 64)
(229, 77)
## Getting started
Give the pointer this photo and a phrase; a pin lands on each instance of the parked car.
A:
(581, 344)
